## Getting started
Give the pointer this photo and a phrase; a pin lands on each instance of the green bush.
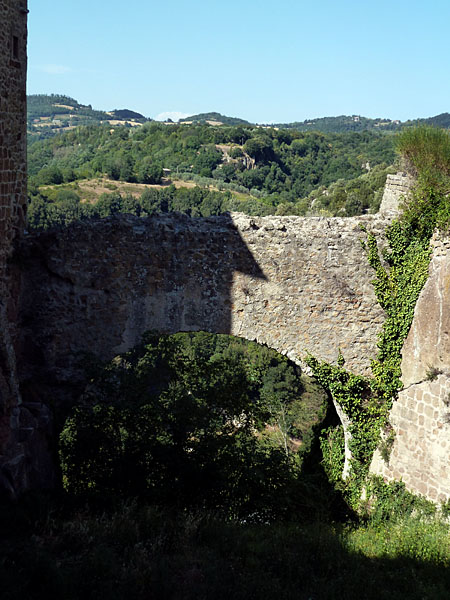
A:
(181, 420)
(425, 149)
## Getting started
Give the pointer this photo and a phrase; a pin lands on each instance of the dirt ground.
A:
(91, 189)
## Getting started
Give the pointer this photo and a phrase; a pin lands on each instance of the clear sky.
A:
(264, 61)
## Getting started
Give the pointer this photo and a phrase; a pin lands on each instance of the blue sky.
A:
(265, 61)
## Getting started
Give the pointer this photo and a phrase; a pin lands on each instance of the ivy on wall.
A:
(401, 270)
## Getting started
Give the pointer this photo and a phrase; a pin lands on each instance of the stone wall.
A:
(396, 189)
(22, 446)
(420, 455)
(13, 69)
(421, 416)
(296, 284)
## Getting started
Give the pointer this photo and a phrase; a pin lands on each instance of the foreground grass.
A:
(142, 552)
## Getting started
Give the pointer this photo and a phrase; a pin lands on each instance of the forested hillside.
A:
(214, 118)
(346, 123)
(251, 169)
(48, 115)
(206, 165)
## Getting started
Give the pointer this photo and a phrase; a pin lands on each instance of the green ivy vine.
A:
(401, 270)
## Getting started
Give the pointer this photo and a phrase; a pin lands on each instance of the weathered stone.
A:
(269, 279)
(420, 453)
(396, 189)
(427, 346)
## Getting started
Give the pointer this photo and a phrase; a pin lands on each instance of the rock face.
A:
(292, 283)
(421, 415)
(427, 346)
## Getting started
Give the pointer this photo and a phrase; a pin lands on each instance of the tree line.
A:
(258, 171)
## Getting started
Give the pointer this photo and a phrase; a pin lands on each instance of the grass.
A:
(138, 552)
(90, 190)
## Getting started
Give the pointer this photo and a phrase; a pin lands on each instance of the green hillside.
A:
(346, 123)
(214, 118)
(204, 170)
(56, 113)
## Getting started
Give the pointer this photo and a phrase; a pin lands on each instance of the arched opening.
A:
(197, 420)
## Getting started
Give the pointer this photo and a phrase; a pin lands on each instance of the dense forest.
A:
(194, 420)
(249, 169)
(358, 123)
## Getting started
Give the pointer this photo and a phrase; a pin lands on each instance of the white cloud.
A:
(54, 69)
(171, 114)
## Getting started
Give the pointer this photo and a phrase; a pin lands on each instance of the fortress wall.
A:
(397, 187)
(296, 284)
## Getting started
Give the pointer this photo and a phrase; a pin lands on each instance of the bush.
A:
(425, 149)
(176, 419)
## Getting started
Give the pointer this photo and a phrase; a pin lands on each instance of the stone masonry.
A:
(421, 416)
(298, 285)
(15, 419)
(13, 69)
(396, 189)
(420, 455)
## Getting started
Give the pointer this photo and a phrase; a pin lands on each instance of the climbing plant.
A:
(401, 269)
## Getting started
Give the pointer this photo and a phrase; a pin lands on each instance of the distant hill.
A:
(345, 123)
(128, 114)
(214, 118)
(341, 124)
(56, 113)
(442, 120)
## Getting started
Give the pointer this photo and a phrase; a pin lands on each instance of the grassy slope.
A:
(141, 552)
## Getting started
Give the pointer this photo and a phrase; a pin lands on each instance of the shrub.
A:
(425, 149)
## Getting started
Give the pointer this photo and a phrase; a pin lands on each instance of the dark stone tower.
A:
(19, 423)
(13, 72)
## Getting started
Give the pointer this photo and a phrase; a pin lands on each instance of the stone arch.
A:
(297, 285)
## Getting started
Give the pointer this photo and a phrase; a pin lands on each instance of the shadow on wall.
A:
(98, 286)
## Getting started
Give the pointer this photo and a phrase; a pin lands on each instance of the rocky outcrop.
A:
(420, 417)
(427, 347)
